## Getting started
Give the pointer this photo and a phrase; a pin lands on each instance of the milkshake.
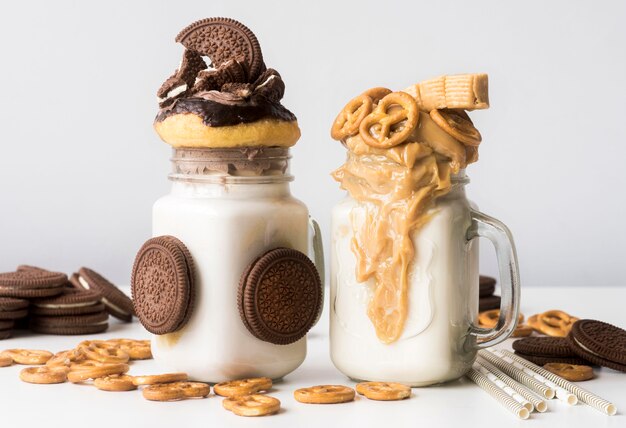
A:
(254, 292)
(404, 276)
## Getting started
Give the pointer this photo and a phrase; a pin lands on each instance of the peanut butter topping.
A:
(395, 181)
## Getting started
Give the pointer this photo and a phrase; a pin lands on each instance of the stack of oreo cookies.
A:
(589, 342)
(487, 300)
(50, 303)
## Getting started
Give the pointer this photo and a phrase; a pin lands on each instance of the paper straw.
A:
(585, 396)
(518, 375)
(504, 387)
(539, 404)
(489, 387)
(562, 394)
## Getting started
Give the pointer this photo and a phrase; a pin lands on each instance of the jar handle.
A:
(501, 238)
(317, 250)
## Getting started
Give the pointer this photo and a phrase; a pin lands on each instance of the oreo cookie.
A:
(222, 40)
(540, 360)
(12, 309)
(489, 302)
(486, 285)
(31, 282)
(116, 302)
(70, 325)
(280, 296)
(544, 347)
(72, 301)
(599, 342)
(163, 285)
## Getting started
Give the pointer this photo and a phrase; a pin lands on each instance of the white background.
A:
(80, 165)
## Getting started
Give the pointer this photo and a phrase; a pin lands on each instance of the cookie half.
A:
(489, 302)
(117, 303)
(486, 285)
(540, 361)
(12, 309)
(544, 347)
(599, 342)
(163, 285)
(70, 325)
(280, 296)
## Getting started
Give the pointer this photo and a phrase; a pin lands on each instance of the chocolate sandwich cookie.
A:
(544, 347)
(31, 282)
(487, 303)
(6, 329)
(280, 296)
(116, 302)
(12, 309)
(599, 342)
(486, 285)
(540, 361)
(72, 301)
(70, 325)
(163, 285)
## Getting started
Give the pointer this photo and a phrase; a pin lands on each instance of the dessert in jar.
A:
(225, 284)
(404, 273)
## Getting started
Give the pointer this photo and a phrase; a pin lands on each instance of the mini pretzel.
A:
(28, 356)
(489, 319)
(252, 405)
(115, 383)
(66, 358)
(571, 372)
(393, 120)
(5, 360)
(235, 388)
(136, 349)
(522, 330)
(554, 323)
(324, 394)
(348, 120)
(383, 391)
(377, 94)
(161, 378)
(176, 391)
(44, 374)
(93, 370)
(103, 352)
(457, 124)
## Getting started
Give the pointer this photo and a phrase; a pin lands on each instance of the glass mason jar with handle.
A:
(230, 208)
(440, 337)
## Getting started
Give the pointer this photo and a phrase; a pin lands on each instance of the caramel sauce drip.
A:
(395, 188)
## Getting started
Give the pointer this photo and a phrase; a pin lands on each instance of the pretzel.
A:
(44, 374)
(554, 323)
(383, 391)
(235, 388)
(489, 319)
(522, 330)
(136, 349)
(66, 358)
(252, 405)
(324, 394)
(377, 94)
(5, 360)
(392, 121)
(28, 356)
(115, 383)
(457, 124)
(103, 352)
(348, 120)
(176, 391)
(93, 370)
(161, 378)
(571, 372)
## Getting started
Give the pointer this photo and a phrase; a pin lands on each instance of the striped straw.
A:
(504, 387)
(585, 396)
(489, 387)
(561, 393)
(539, 404)
(518, 375)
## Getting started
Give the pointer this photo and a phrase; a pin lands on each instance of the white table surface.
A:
(456, 404)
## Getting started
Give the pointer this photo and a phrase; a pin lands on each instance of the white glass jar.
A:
(228, 209)
(439, 340)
